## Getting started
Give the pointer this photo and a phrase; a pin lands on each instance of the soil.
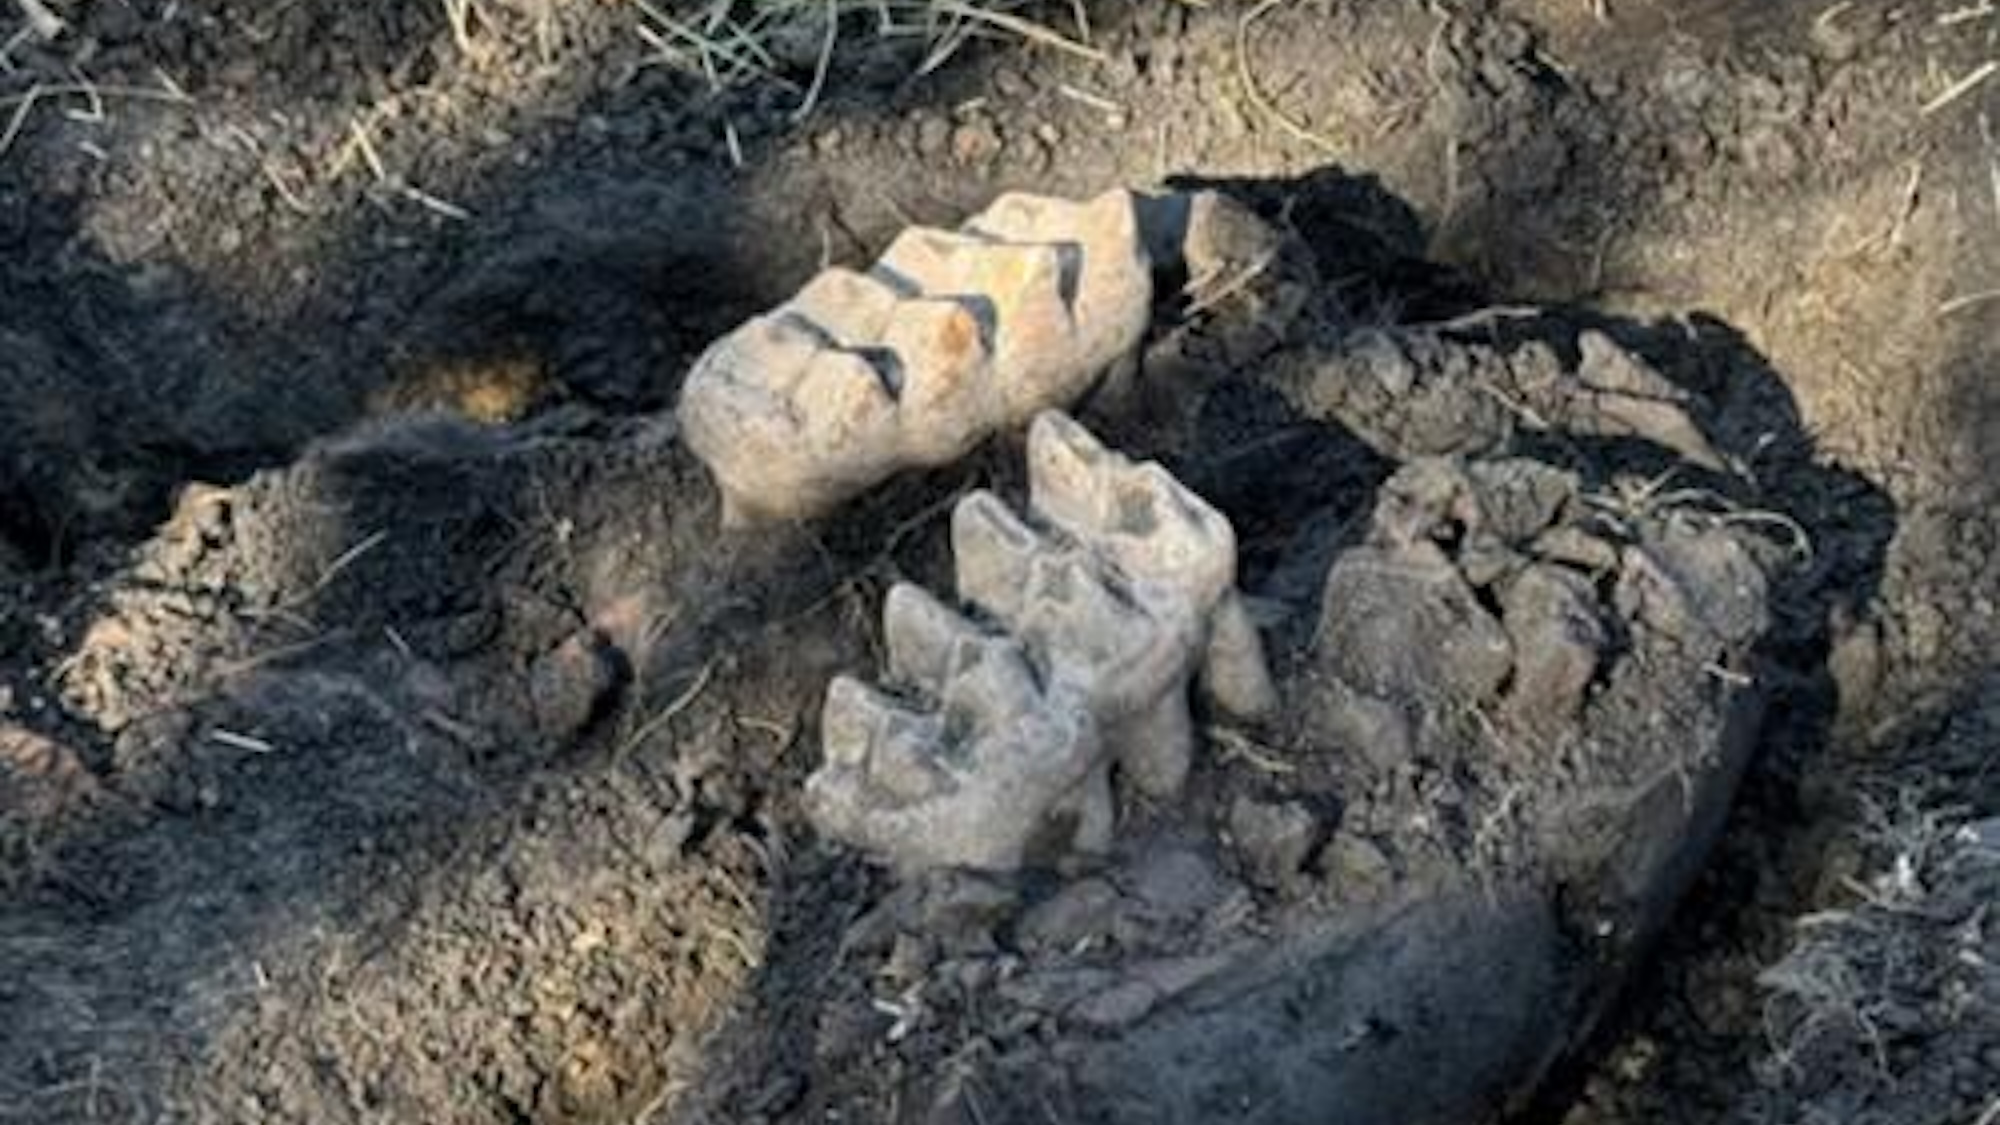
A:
(387, 732)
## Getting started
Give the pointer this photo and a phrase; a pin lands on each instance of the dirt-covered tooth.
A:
(947, 400)
(852, 308)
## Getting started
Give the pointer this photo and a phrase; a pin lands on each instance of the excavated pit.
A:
(524, 731)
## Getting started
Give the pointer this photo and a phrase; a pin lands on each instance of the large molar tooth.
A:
(968, 331)
(852, 308)
(1022, 721)
(1235, 673)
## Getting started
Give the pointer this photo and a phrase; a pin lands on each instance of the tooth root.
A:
(852, 308)
(1235, 673)
(994, 553)
(738, 510)
(1095, 812)
(1155, 748)
(848, 408)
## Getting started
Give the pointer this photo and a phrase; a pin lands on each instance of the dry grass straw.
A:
(1911, 925)
(18, 106)
(1246, 76)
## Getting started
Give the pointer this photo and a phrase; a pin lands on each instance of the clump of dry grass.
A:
(1901, 981)
(730, 43)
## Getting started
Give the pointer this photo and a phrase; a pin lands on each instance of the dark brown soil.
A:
(363, 766)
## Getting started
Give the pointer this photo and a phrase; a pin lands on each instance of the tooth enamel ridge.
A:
(1105, 600)
(949, 337)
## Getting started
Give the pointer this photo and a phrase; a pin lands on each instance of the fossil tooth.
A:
(967, 333)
